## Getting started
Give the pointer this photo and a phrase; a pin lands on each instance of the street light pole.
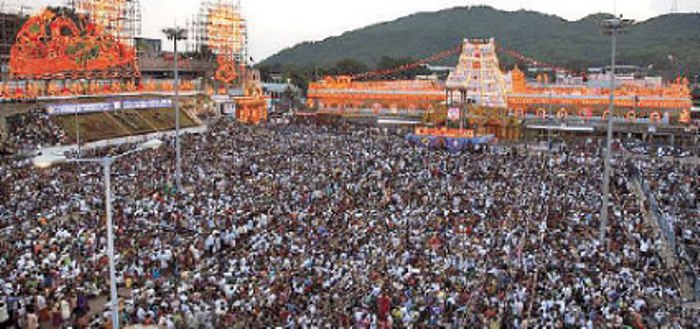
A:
(549, 123)
(461, 111)
(46, 161)
(175, 34)
(612, 27)
(178, 150)
(608, 152)
(107, 167)
(77, 133)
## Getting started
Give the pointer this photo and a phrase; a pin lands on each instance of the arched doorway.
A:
(494, 127)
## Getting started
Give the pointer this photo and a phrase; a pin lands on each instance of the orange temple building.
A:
(479, 79)
(344, 96)
(251, 107)
(633, 101)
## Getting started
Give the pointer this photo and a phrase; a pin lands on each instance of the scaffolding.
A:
(12, 18)
(221, 29)
(120, 18)
(78, 51)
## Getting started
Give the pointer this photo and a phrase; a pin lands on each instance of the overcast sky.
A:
(278, 24)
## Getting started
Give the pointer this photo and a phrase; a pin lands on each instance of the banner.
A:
(65, 109)
(85, 108)
(453, 114)
(456, 144)
(138, 104)
(450, 143)
(229, 109)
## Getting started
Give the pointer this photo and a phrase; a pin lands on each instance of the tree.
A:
(575, 45)
(395, 65)
(349, 66)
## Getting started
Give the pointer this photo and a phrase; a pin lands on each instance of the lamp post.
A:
(462, 109)
(77, 125)
(550, 125)
(77, 132)
(176, 34)
(611, 27)
(46, 161)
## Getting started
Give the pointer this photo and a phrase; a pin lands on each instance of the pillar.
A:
(3, 124)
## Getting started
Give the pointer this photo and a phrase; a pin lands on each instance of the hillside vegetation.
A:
(667, 45)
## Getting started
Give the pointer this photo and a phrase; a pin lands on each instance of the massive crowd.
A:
(676, 187)
(33, 129)
(304, 226)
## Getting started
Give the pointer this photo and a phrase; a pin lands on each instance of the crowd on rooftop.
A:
(33, 129)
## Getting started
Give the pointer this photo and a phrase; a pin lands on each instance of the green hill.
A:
(572, 44)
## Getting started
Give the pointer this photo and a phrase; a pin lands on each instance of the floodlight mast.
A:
(176, 34)
(611, 27)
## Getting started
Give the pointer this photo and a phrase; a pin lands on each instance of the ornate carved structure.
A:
(56, 47)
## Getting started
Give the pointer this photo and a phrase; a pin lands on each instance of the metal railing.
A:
(678, 247)
(160, 64)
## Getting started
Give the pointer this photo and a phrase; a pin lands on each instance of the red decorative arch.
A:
(226, 72)
(49, 46)
(585, 113)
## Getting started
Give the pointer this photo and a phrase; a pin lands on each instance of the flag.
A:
(455, 145)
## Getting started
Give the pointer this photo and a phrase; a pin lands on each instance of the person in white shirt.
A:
(66, 311)
(4, 312)
(32, 321)
(41, 306)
